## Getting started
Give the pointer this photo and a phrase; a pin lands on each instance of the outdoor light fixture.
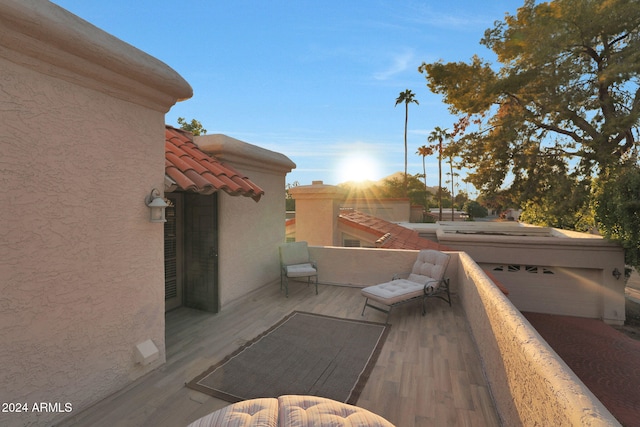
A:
(156, 205)
(616, 273)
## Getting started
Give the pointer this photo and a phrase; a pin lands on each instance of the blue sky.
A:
(314, 80)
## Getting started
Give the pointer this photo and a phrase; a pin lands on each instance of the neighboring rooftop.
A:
(388, 235)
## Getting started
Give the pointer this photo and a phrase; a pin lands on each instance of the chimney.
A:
(317, 210)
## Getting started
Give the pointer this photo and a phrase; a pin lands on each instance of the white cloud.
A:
(400, 62)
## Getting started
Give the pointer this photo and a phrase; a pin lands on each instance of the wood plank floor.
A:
(428, 373)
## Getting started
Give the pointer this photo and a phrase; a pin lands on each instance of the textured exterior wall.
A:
(583, 284)
(530, 383)
(249, 233)
(317, 211)
(81, 267)
(362, 267)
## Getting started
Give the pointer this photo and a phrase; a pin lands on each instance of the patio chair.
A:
(294, 263)
(425, 280)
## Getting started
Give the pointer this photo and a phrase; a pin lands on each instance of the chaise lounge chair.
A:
(295, 262)
(425, 280)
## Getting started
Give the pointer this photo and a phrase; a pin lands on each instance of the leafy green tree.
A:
(496, 201)
(290, 202)
(617, 208)
(407, 97)
(564, 100)
(394, 188)
(445, 194)
(475, 209)
(556, 198)
(568, 85)
(194, 126)
(461, 199)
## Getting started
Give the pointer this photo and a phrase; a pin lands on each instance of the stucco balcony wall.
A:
(362, 267)
(545, 270)
(531, 385)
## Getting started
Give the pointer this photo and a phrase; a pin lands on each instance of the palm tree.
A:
(452, 175)
(425, 151)
(439, 135)
(407, 97)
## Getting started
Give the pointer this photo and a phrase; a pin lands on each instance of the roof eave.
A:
(47, 38)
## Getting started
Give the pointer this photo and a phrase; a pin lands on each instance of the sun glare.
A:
(358, 167)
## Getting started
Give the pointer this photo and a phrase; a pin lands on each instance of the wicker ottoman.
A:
(291, 411)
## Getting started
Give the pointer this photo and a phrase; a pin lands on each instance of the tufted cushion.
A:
(394, 291)
(291, 411)
(255, 412)
(312, 411)
(300, 270)
(431, 263)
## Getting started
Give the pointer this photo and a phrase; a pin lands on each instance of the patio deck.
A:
(428, 373)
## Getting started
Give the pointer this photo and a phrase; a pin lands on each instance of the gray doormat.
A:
(304, 354)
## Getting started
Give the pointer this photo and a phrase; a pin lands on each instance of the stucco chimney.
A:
(317, 210)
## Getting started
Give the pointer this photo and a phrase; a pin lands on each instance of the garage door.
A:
(553, 290)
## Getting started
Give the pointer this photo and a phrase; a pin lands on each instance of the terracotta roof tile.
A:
(390, 235)
(193, 170)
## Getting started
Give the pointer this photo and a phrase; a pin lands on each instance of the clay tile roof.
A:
(390, 235)
(193, 170)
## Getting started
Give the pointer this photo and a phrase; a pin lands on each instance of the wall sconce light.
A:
(616, 273)
(156, 206)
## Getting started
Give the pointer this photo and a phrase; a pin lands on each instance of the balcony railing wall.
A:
(530, 383)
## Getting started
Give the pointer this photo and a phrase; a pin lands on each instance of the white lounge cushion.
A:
(392, 292)
(431, 263)
(428, 269)
(425, 279)
(300, 270)
(254, 412)
(312, 411)
(432, 284)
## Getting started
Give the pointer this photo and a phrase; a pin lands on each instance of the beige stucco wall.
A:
(81, 267)
(317, 211)
(361, 267)
(530, 383)
(582, 283)
(248, 232)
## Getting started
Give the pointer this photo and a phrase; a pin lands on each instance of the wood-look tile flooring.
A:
(428, 373)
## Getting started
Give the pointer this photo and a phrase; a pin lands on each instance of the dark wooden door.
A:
(201, 251)
(173, 252)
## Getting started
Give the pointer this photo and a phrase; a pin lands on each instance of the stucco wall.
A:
(249, 233)
(367, 266)
(317, 211)
(81, 267)
(530, 383)
(581, 283)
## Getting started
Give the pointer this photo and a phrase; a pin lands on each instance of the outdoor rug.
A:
(304, 354)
